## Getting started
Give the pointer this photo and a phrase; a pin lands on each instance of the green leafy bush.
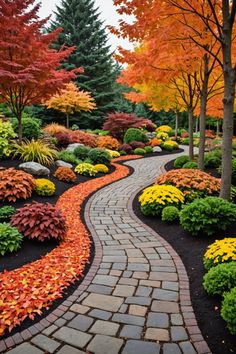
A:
(207, 215)
(220, 278)
(6, 212)
(180, 161)
(190, 164)
(148, 149)
(213, 159)
(134, 134)
(170, 214)
(30, 127)
(87, 160)
(228, 310)
(99, 156)
(86, 169)
(6, 135)
(67, 157)
(10, 238)
(81, 152)
(139, 151)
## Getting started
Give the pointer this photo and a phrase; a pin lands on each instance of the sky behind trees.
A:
(108, 15)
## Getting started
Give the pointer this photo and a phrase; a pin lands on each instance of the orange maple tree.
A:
(70, 100)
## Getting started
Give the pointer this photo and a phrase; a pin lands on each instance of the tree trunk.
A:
(228, 101)
(217, 127)
(20, 130)
(190, 130)
(67, 121)
(176, 123)
(196, 126)
(203, 107)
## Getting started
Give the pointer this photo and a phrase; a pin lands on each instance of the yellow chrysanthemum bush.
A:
(86, 169)
(113, 153)
(44, 187)
(101, 168)
(170, 145)
(162, 136)
(221, 251)
(164, 128)
(155, 198)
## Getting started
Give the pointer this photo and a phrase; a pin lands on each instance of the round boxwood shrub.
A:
(6, 213)
(170, 214)
(190, 164)
(207, 215)
(30, 127)
(100, 156)
(220, 279)
(228, 310)
(148, 149)
(10, 238)
(180, 161)
(139, 151)
(134, 134)
(212, 159)
(82, 152)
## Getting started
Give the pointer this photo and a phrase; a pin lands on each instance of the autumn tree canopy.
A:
(28, 66)
(70, 100)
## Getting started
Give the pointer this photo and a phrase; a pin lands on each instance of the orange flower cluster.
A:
(155, 142)
(24, 292)
(108, 142)
(190, 180)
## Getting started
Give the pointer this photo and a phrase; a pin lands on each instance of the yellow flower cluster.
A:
(86, 169)
(101, 168)
(44, 187)
(221, 251)
(113, 153)
(164, 128)
(162, 135)
(163, 195)
(172, 143)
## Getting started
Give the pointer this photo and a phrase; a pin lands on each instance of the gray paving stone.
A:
(138, 300)
(72, 336)
(124, 290)
(133, 332)
(105, 280)
(103, 302)
(137, 310)
(127, 274)
(143, 291)
(128, 319)
(79, 308)
(165, 306)
(25, 348)
(163, 269)
(160, 320)
(151, 283)
(45, 343)
(128, 281)
(103, 315)
(171, 348)
(49, 330)
(104, 344)
(163, 276)
(157, 334)
(187, 348)
(123, 308)
(176, 319)
(119, 266)
(114, 259)
(67, 349)
(100, 289)
(141, 347)
(178, 333)
(81, 322)
(170, 285)
(139, 267)
(69, 315)
(104, 327)
(165, 295)
(60, 322)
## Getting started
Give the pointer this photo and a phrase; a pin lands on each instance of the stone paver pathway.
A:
(135, 299)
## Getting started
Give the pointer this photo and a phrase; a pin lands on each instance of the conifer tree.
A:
(83, 28)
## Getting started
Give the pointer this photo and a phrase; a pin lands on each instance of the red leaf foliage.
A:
(24, 292)
(78, 136)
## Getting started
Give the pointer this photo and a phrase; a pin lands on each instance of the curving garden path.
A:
(135, 298)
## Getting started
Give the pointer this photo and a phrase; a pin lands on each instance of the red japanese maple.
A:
(28, 65)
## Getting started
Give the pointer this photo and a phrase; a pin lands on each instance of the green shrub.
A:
(87, 160)
(139, 151)
(6, 212)
(220, 279)
(81, 152)
(99, 156)
(170, 214)
(148, 149)
(180, 161)
(6, 135)
(213, 159)
(233, 194)
(190, 164)
(10, 238)
(68, 157)
(30, 127)
(134, 134)
(228, 310)
(207, 215)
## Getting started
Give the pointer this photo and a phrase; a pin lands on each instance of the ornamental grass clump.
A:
(15, 184)
(40, 221)
(221, 251)
(37, 151)
(65, 174)
(193, 183)
(155, 198)
(10, 238)
(86, 169)
(220, 279)
(45, 187)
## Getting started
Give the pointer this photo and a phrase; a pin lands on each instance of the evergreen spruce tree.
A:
(83, 29)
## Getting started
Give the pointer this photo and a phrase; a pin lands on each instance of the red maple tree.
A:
(28, 66)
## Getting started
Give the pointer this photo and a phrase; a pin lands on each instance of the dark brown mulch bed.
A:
(191, 250)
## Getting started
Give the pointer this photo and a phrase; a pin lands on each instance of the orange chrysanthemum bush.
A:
(55, 128)
(193, 183)
(108, 142)
(78, 136)
(65, 174)
(40, 221)
(155, 142)
(15, 184)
